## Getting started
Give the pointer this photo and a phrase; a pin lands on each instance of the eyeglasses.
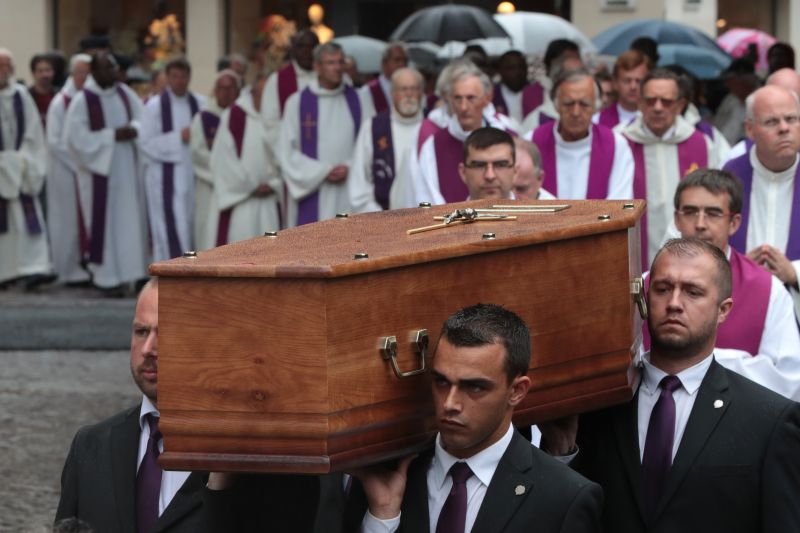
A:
(711, 213)
(651, 101)
(773, 122)
(503, 165)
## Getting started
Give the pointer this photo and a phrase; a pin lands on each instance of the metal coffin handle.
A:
(388, 349)
(637, 291)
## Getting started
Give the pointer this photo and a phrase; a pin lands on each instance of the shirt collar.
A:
(691, 378)
(483, 464)
(769, 175)
(146, 409)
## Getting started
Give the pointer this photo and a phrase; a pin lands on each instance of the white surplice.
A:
(361, 182)
(159, 148)
(336, 141)
(22, 172)
(235, 178)
(204, 183)
(126, 251)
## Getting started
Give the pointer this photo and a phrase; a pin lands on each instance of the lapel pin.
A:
(717, 404)
(519, 490)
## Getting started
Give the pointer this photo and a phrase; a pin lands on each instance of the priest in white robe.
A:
(769, 171)
(318, 136)
(246, 199)
(64, 220)
(203, 131)
(514, 96)
(101, 131)
(582, 160)
(665, 148)
(377, 93)
(169, 178)
(384, 145)
(23, 155)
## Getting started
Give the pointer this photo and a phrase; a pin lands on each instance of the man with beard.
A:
(111, 478)
(378, 92)
(384, 146)
(699, 448)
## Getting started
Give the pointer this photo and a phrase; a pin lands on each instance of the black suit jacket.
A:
(555, 498)
(737, 468)
(98, 484)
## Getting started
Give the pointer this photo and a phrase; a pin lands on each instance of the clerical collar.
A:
(455, 129)
(94, 87)
(769, 175)
(691, 377)
(321, 91)
(300, 71)
(146, 409)
(669, 134)
(483, 464)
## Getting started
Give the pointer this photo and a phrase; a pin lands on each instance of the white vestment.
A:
(365, 92)
(22, 171)
(336, 140)
(572, 167)
(126, 250)
(236, 178)
(204, 183)
(771, 201)
(662, 173)
(361, 182)
(423, 179)
(62, 206)
(160, 148)
(534, 119)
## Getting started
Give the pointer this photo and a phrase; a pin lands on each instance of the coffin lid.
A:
(326, 249)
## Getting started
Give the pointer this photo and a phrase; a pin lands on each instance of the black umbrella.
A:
(449, 22)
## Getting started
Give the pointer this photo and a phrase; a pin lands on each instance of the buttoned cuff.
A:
(370, 524)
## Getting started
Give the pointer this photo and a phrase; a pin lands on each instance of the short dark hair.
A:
(483, 138)
(38, 58)
(715, 182)
(648, 46)
(482, 324)
(692, 247)
(179, 63)
(516, 54)
(661, 73)
(556, 49)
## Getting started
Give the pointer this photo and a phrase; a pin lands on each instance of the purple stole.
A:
(383, 171)
(692, 154)
(609, 117)
(426, 130)
(237, 120)
(99, 183)
(168, 175)
(287, 85)
(210, 123)
(545, 119)
(600, 163)
(532, 97)
(449, 153)
(378, 98)
(308, 207)
(742, 168)
(26, 201)
(706, 128)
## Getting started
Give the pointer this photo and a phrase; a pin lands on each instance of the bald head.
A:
(407, 90)
(773, 122)
(786, 78)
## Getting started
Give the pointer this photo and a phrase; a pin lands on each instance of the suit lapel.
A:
(184, 501)
(702, 421)
(505, 492)
(626, 432)
(415, 514)
(124, 452)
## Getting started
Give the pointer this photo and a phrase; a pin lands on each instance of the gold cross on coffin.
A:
(308, 126)
(496, 213)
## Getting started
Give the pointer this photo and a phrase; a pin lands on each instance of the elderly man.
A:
(201, 139)
(65, 220)
(434, 172)
(384, 146)
(582, 160)
(665, 148)
(514, 96)
(527, 184)
(561, 55)
(699, 448)
(629, 70)
(101, 132)
(111, 478)
(318, 134)
(169, 178)
(378, 92)
(23, 154)
(770, 232)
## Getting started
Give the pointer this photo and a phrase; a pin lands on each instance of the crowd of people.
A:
(118, 182)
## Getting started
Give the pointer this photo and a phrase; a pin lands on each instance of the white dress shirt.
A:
(684, 396)
(483, 465)
(171, 481)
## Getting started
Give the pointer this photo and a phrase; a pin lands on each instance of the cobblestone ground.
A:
(45, 396)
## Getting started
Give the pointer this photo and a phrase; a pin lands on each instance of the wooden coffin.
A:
(270, 354)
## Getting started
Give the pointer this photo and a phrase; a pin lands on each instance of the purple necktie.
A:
(657, 457)
(148, 481)
(453, 517)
